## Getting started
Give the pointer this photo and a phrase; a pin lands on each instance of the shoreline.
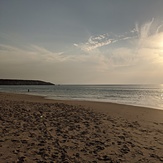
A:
(134, 95)
(128, 111)
(100, 101)
(46, 97)
(35, 129)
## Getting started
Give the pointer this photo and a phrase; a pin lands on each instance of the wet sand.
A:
(34, 129)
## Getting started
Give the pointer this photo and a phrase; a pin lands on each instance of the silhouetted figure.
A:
(28, 90)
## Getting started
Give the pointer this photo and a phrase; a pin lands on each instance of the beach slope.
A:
(34, 129)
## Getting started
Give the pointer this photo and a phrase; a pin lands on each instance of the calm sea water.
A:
(139, 95)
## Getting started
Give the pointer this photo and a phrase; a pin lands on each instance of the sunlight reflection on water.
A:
(140, 95)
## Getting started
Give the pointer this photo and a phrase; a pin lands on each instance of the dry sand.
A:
(33, 129)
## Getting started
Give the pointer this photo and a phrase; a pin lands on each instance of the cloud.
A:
(147, 35)
(33, 62)
(143, 46)
(150, 34)
(143, 42)
(140, 58)
(145, 30)
(50, 56)
(32, 53)
(95, 42)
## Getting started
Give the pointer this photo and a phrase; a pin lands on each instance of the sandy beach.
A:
(34, 129)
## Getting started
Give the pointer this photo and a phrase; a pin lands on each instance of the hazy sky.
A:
(82, 41)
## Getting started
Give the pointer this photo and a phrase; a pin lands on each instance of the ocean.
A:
(137, 95)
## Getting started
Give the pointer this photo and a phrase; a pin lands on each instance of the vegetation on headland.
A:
(23, 82)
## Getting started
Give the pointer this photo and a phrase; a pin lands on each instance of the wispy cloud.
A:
(49, 55)
(30, 53)
(95, 42)
(101, 40)
(142, 36)
(145, 42)
(150, 35)
(143, 47)
(141, 53)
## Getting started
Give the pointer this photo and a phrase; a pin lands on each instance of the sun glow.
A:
(161, 40)
(161, 44)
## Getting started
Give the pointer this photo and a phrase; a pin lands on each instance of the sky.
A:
(82, 42)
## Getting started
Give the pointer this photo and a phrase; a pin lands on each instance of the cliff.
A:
(23, 82)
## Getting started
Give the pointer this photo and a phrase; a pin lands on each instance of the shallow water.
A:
(139, 95)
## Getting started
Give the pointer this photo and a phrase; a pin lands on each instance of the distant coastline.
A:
(23, 82)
